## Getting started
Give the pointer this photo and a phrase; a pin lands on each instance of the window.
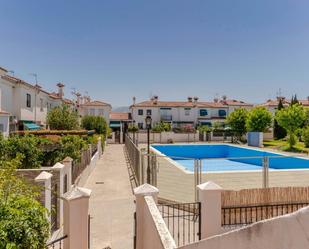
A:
(28, 102)
(101, 112)
(41, 105)
(140, 125)
(148, 112)
(222, 113)
(140, 112)
(187, 111)
(203, 112)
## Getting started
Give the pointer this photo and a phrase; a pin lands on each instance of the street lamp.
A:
(148, 121)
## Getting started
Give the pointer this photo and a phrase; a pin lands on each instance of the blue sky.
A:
(119, 49)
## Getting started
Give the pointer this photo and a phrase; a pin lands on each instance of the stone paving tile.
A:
(112, 202)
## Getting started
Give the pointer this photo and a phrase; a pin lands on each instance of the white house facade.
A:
(27, 105)
(183, 113)
(94, 108)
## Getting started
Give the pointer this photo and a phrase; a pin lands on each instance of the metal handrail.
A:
(57, 240)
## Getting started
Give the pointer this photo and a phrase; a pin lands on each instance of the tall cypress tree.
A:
(294, 100)
(279, 132)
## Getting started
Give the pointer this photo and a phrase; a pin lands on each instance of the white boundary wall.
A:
(164, 137)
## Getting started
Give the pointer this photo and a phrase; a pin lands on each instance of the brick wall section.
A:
(30, 175)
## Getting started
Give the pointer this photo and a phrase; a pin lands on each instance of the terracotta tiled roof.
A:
(178, 104)
(119, 116)
(304, 102)
(68, 101)
(234, 102)
(96, 103)
(274, 103)
(5, 70)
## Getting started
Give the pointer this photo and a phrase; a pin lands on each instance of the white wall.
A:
(286, 232)
(85, 110)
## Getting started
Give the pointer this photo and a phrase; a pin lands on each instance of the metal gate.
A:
(183, 221)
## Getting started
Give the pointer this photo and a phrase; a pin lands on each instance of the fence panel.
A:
(183, 221)
(245, 215)
(134, 157)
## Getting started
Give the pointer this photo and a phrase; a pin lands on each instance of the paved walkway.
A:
(112, 202)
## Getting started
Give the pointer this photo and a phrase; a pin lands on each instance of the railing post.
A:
(45, 179)
(140, 192)
(76, 205)
(210, 198)
(60, 168)
(265, 172)
(67, 162)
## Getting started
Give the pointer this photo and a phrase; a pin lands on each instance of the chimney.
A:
(134, 100)
(189, 99)
(155, 99)
(60, 89)
(308, 98)
(224, 97)
(195, 100)
(216, 100)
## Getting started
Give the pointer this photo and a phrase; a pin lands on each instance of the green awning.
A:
(31, 126)
(114, 125)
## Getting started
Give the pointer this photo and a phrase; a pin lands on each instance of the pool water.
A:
(224, 157)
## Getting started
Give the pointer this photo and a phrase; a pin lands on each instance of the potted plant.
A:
(258, 121)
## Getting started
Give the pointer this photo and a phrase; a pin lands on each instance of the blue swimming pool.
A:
(224, 157)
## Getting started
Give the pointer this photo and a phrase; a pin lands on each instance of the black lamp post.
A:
(148, 121)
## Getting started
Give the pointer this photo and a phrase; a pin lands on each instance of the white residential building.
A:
(26, 104)
(95, 108)
(184, 113)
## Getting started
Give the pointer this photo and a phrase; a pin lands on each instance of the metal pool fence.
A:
(235, 216)
(177, 177)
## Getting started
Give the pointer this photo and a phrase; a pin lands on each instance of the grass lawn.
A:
(283, 146)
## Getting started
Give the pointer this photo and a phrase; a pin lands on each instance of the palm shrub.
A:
(292, 119)
(237, 121)
(62, 118)
(259, 119)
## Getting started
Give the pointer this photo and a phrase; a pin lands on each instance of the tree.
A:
(237, 121)
(259, 119)
(97, 123)
(279, 131)
(291, 119)
(62, 118)
(294, 100)
(305, 136)
(161, 127)
(23, 222)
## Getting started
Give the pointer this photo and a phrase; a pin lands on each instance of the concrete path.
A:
(112, 202)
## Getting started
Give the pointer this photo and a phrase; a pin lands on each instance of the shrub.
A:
(279, 131)
(62, 118)
(133, 128)
(203, 128)
(23, 222)
(291, 119)
(237, 121)
(70, 146)
(305, 136)
(28, 146)
(96, 123)
(259, 119)
(161, 127)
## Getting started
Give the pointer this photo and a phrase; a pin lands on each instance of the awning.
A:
(31, 126)
(114, 125)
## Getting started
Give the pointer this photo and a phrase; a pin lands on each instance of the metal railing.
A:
(134, 156)
(57, 243)
(244, 215)
(183, 221)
